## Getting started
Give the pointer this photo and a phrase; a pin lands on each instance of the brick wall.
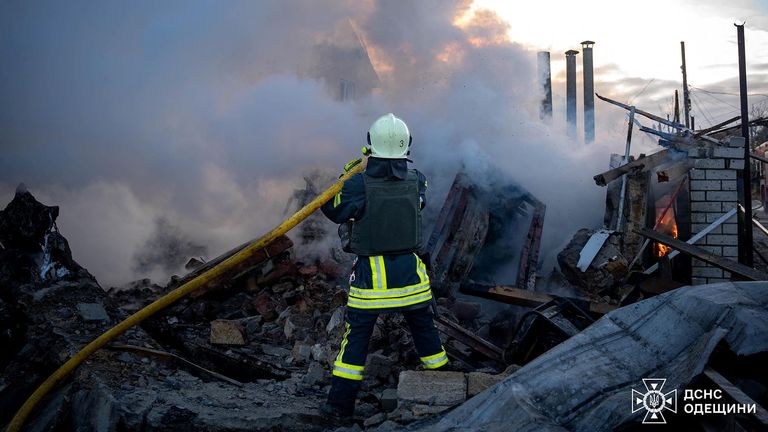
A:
(713, 193)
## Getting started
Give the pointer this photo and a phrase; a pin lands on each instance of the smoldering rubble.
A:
(253, 347)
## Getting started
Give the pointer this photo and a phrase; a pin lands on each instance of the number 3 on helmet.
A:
(387, 137)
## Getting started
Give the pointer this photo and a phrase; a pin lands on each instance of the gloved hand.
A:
(349, 165)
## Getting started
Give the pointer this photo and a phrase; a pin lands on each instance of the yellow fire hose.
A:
(18, 420)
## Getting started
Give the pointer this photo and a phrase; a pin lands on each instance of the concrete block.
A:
(736, 142)
(698, 227)
(706, 272)
(697, 174)
(728, 185)
(225, 332)
(721, 196)
(378, 365)
(698, 196)
(698, 152)
(705, 185)
(728, 152)
(736, 164)
(479, 381)
(720, 174)
(711, 217)
(92, 312)
(717, 280)
(698, 281)
(698, 217)
(432, 387)
(388, 400)
(723, 239)
(730, 251)
(717, 250)
(727, 206)
(730, 228)
(698, 263)
(706, 207)
(301, 352)
(709, 163)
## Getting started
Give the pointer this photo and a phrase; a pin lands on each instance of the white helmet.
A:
(389, 138)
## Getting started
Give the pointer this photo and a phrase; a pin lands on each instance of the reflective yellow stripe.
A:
(346, 375)
(348, 371)
(374, 272)
(383, 272)
(343, 342)
(351, 367)
(435, 361)
(436, 365)
(392, 292)
(387, 303)
(421, 269)
(434, 356)
(337, 199)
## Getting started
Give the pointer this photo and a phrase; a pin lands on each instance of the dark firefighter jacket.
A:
(381, 283)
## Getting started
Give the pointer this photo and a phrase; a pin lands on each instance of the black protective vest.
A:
(391, 222)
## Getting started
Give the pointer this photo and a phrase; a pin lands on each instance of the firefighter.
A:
(380, 213)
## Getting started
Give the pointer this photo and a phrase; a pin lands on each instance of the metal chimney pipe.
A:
(570, 91)
(589, 92)
(545, 85)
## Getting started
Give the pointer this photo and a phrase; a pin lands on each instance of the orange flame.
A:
(667, 226)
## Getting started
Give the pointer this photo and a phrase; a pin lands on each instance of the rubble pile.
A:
(256, 349)
(50, 307)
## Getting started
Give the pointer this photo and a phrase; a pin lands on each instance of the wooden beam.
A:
(704, 255)
(675, 171)
(644, 113)
(169, 356)
(637, 165)
(521, 297)
(469, 339)
(260, 256)
(715, 127)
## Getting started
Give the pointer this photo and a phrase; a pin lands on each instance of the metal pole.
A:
(745, 228)
(686, 98)
(623, 192)
(545, 84)
(570, 91)
(589, 92)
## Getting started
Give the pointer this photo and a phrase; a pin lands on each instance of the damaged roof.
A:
(585, 383)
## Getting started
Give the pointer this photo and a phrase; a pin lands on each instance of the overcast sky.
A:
(637, 49)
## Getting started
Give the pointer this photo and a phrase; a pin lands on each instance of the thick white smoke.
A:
(205, 115)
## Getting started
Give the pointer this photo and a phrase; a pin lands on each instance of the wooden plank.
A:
(638, 165)
(260, 256)
(521, 297)
(644, 113)
(716, 127)
(469, 339)
(675, 171)
(736, 394)
(702, 254)
(170, 356)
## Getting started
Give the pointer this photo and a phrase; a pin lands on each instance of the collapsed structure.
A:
(253, 346)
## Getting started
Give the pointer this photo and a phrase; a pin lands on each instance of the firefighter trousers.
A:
(350, 362)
